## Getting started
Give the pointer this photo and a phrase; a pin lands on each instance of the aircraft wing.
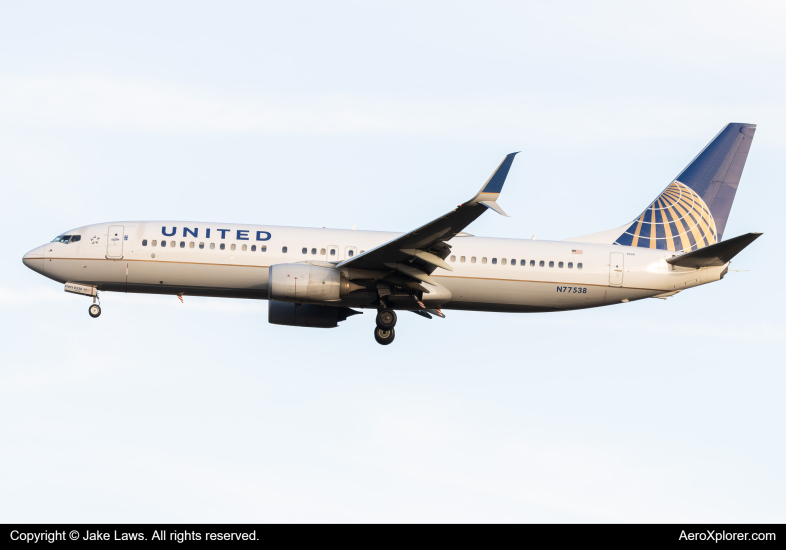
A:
(412, 257)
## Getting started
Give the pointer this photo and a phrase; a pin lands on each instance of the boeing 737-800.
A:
(314, 277)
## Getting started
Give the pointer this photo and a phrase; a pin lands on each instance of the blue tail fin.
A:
(692, 211)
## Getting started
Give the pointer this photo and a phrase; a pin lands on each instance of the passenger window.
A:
(542, 263)
(472, 260)
(362, 251)
(222, 246)
(284, 249)
(561, 265)
(551, 264)
(182, 244)
(163, 243)
(332, 251)
(350, 253)
(253, 248)
(172, 244)
(191, 244)
(513, 262)
(452, 258)
(144, 242)
(154, 243)
(244, 248)
(570, 265)
(463, 259)
(322, 251)
(579, 266)
(263, 248)
(201, 246)
(483, 260)
(313, 251)
(523, 263)
(504, 261)
(305, 250)
(212, 246)
(232, 247)
(494, 261)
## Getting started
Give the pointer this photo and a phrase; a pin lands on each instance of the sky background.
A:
(387, 115)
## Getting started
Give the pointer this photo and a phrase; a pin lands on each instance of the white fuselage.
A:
(489, 274)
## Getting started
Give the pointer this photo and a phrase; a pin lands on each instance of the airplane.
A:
(315, 277)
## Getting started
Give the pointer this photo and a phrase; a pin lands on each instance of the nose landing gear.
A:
(384, 333)
(95, 309)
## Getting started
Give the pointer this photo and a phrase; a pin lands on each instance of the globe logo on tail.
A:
(677, 220)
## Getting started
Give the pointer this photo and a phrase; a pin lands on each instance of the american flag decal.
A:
(577, 251)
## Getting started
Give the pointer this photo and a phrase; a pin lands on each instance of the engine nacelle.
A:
(306, 315)
(305, 283)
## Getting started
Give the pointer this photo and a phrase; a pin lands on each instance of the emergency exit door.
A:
(616, 268)
(114, 242)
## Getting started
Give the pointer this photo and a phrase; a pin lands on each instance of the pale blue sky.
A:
(331, 114)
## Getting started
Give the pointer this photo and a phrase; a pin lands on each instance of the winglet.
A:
(490, 191)
(495, 207)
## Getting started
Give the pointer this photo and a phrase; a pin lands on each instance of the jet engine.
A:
(307, 315)
(307, 284)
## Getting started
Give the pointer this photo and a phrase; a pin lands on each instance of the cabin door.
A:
(616, 267)
(114, 242)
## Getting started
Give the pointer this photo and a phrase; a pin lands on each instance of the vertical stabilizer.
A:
(692, 211)
(715, 173)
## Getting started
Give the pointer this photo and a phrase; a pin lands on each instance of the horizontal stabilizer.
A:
(716, 254)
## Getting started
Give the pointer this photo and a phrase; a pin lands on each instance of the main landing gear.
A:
(384, 333)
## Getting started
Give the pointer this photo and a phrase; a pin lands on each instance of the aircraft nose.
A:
(35, 259)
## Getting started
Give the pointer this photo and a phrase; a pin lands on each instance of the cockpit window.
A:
(65, 239)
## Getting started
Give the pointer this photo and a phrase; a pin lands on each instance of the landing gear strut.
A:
(384, 333)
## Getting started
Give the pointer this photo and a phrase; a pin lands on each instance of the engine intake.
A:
(305, 283)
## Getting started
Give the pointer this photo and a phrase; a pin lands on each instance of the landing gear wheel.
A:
(94, 310)
(383, 336)
(386, 319)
